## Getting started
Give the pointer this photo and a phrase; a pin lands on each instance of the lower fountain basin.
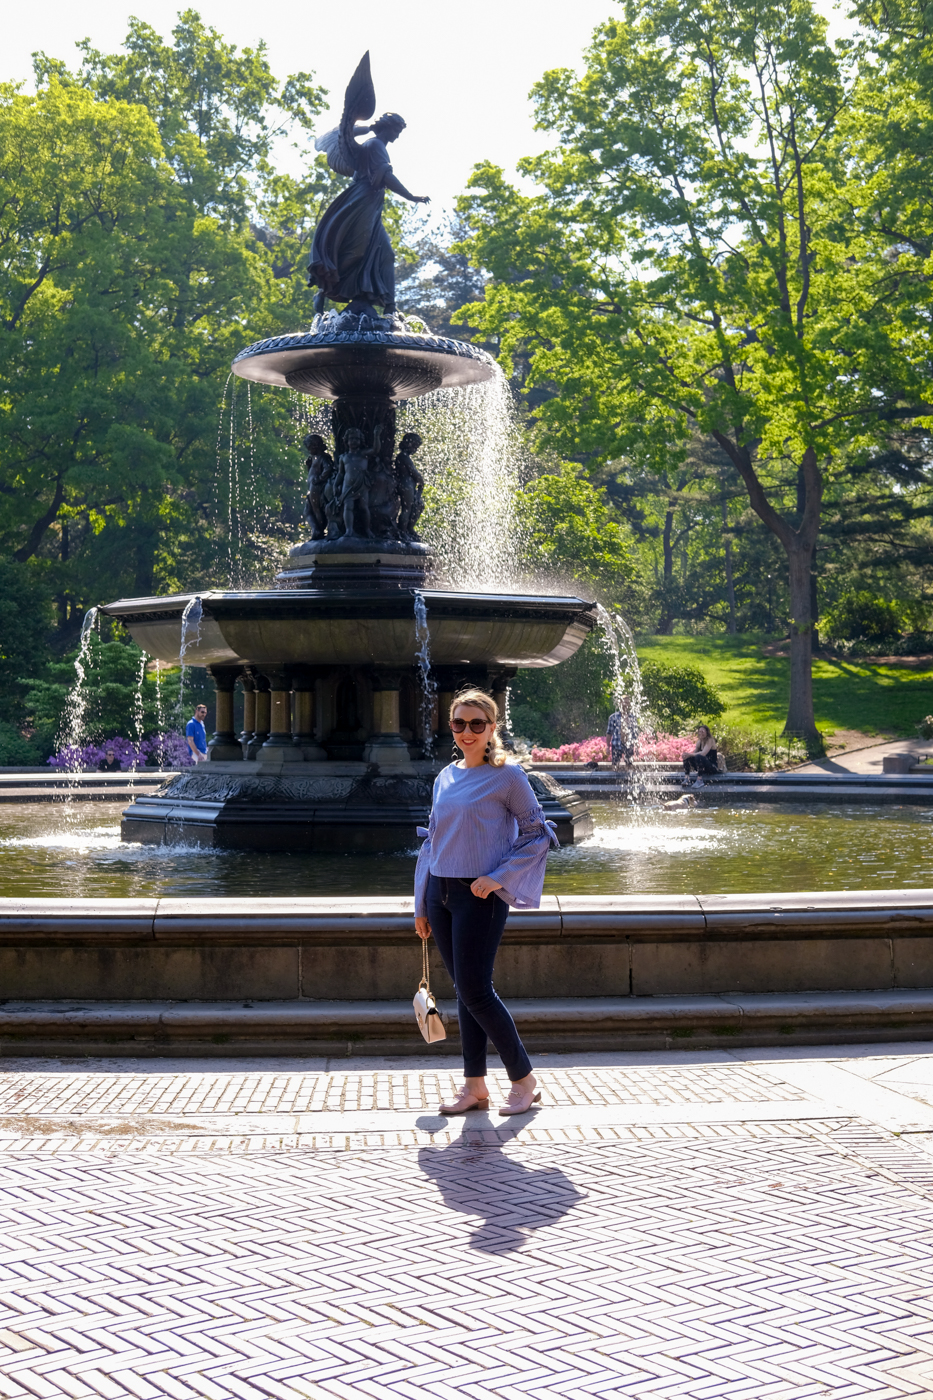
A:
(359, 627)
(350, 808)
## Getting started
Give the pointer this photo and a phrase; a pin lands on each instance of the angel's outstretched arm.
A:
(396, 186)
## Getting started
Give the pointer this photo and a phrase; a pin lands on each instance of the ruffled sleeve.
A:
(422, 869)
(521, 874)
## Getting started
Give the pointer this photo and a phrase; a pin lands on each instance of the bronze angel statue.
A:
(351, 257)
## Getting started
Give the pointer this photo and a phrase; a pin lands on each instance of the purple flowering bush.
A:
(165, 751)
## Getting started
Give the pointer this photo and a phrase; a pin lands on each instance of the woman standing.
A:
(485, 817)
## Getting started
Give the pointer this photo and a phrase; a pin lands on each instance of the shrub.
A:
(925, 727)
(757, 749)
(554, 704)
(675, 695)
(17, 751)
(169, 750)
(860, 616)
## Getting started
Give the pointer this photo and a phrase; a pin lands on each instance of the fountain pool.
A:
(49, 852)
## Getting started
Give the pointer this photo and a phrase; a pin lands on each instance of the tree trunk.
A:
(666, 621)
(730, 580)
(800, 717)
(799, 541)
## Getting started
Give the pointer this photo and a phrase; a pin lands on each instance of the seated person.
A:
(110, 763)
(704, 758)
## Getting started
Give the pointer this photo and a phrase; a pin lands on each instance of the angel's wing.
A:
(359, 103)
(331, 145)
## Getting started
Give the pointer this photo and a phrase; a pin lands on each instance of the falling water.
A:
(138, 711)
(619, 644)
(610, 645)
(71, 733)
(160, 715)
(233, 459)
(190, 632)
(472, 460)
(428, 686)
(232, 485)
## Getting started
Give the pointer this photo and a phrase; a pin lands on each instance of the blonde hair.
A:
(495, 753)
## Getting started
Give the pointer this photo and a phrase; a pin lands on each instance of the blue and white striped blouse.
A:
(486, 821)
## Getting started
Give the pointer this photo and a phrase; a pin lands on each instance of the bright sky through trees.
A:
(459, 74)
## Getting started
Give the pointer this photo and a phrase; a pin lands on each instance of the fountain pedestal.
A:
(332, 752)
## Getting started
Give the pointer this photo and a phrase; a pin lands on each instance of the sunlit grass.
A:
(846, 694)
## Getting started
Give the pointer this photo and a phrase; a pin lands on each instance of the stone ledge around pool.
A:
(315, 951)
(337, 1029)
(662, 781)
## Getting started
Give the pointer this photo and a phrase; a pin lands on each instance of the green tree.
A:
(25, 623)
(130, 275)
(119, 695)
(569, 530)
(701, 260)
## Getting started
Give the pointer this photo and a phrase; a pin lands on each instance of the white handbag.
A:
(426, 1013)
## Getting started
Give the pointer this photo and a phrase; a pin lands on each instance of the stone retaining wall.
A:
(364, 949)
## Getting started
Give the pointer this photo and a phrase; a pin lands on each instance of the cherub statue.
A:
(320, 466)
(354, 495)
(332, 492)
(383, 499)
(410, 484)
(351, 257)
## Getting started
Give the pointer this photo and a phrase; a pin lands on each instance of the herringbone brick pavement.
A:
(772, 1266)
(268, 1092)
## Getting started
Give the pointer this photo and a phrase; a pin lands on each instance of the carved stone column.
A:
(278, 748)
(448, 683)
(263, 703)
(224, 747)
(499, 683)
(248, 684)
(385, 745)
(304, 685)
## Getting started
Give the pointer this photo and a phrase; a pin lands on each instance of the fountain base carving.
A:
(333, 807)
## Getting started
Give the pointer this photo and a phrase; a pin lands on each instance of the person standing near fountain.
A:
(484, 816)
(622, 734)
(196, 734)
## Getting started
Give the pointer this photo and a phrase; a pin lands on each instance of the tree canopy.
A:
(704, 257)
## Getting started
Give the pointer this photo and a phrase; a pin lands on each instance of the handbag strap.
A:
(425, 972)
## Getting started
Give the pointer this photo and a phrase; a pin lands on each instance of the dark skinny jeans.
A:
(468, 932)
(699, 762)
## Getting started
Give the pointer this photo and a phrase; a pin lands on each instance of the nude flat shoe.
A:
(519, 1101)
(465, 1102)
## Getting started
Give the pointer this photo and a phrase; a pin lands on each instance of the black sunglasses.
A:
(477, 725)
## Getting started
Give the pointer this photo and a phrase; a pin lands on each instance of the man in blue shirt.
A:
(196, 735)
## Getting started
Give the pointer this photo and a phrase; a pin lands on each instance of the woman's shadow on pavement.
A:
(481, 1179)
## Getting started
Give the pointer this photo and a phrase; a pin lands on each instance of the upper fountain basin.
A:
(354, 627)
(331, 363)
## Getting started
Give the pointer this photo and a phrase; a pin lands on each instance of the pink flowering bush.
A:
(663, 748)
(651, 748)
(585, 752)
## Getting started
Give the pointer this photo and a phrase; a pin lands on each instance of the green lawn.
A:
(846, 694)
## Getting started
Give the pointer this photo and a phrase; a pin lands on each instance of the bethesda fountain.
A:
(343, 729)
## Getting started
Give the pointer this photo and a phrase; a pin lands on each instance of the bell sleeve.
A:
(521, 874)
(422, 869)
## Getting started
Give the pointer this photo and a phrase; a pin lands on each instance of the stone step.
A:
(343, 1028)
